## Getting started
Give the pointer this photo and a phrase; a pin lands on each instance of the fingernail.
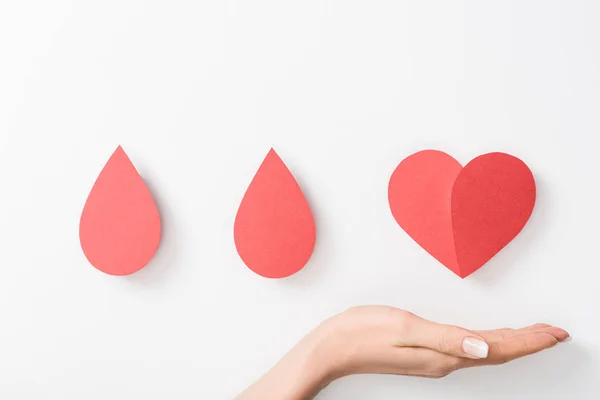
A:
(568, 339)
(475, 347)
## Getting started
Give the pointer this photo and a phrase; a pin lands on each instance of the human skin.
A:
(387, 340)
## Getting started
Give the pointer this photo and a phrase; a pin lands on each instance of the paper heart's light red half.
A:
(419, 195)
(120, 225)
(274, 229)
(462, 216)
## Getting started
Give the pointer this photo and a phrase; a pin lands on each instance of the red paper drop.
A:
(274, 229)
(120, 225)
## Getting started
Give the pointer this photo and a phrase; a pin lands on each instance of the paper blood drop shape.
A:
(274, 229)
(120, 224)
(462, 216)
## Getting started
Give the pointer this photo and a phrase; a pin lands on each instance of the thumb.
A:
(446, 339)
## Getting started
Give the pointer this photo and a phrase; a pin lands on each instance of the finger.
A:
(446, 339)
(559, 333)
(501, 334)
(537, 326)
(516, 347)
(508, 331)
(496, 334)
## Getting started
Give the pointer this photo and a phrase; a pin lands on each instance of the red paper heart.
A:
(462, 216)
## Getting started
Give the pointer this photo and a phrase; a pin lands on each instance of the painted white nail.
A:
(567, 340)
(475, 347)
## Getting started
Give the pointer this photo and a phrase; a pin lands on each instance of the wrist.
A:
(327, 346)
(300, 375)
(312, 361)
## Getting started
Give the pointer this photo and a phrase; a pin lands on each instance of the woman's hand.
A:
(386, 340)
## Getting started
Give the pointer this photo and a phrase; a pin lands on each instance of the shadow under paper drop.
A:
(162, 264)
(319, 260)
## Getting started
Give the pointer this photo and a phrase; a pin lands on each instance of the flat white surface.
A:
(197, 92)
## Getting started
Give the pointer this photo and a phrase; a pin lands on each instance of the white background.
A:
(197, 92)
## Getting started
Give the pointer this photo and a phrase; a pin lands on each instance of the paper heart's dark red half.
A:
(462, 216)
(120, 225)
(274, 229)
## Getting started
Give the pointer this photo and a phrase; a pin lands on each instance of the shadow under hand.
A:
(565, 371)
(568, 371)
